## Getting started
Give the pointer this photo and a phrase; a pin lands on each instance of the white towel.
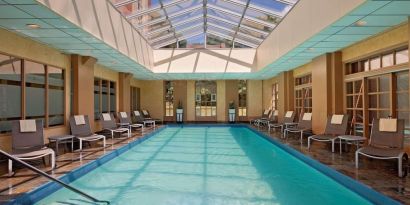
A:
(106, 117)
(145, 112)
(137, 113)
(337, 119)
(79, 119)
(266, 112)
(388, 125)
(28, 126)
(307, 116)
(123, 114)
(275, 113)
(289, 114)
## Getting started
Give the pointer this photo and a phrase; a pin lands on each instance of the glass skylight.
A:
(189, 23)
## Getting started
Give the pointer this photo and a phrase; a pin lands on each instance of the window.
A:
(44, 92)
(402, 98)
(402, 56)
(135, 98)
(395, 57)
(303, 94)
(55, 96)
(354, 105)
(378, 97)
(104, 97)
(275, 96)
(35, 74)
(242, 95)
(10, 91)
(205, 98)
(169, 98)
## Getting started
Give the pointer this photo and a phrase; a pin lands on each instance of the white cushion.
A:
(276, 113)
(388, 125)
(336, 119)
(123, 114)
(79, 119)
(266, 112)
(289, 114)
(106, 117)
(28, 126)
(307, 116)
(145, 112)
(137, 113)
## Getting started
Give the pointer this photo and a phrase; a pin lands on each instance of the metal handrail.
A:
(34, 169)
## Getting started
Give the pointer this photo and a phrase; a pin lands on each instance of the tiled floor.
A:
(380, 175)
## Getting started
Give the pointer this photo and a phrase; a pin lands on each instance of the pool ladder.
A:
(34, 169)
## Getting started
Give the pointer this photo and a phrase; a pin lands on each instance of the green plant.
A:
(179, 105)
(231, 105)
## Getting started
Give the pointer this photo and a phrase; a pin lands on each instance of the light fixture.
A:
(361, 23)
(33, 26)
(310, 49)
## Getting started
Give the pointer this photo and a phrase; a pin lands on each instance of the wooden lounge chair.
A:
(28, 142)
(265, 116)
(140, 119)
(125, 120)
(336, 125)
(386, 142)
(80, 128)
(108, 123)
(287, 121)
(304, 126)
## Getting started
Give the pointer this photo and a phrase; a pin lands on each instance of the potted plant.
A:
(180, 112)
(231, 111)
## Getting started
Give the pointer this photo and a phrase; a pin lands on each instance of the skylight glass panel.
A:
(170, 21)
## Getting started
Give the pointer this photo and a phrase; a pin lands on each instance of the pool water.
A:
(207, 165)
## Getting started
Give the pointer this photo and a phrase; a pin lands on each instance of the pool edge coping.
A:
(37, 194)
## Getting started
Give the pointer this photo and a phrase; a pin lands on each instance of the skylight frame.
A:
(257, 28)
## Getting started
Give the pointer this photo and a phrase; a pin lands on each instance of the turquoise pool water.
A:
(207, 165)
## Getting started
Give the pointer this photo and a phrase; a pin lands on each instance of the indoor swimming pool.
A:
(212, 165)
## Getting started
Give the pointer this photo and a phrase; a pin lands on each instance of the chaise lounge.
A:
(28, 142)
(336, 125)
(80, 128)
(304, 126)
(386, 142)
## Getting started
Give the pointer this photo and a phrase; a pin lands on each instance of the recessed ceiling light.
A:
(33, 26)
(361, 23)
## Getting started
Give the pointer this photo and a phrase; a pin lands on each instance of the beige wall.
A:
(203, 60)
(190, 100)
(254, 98)
(385, 41)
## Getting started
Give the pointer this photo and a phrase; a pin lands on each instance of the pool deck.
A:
(378, 174)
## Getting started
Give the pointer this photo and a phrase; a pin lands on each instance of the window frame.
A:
(46, 87)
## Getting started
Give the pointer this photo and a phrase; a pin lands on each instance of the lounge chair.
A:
(125, 120)
(386, 142)
(271, 120)
(80, 128)
(304, 126)
(265, 116)
(336, 125)
(140, 119)
(108, 123)
(147, 116)
(28, 142)
(287, 121)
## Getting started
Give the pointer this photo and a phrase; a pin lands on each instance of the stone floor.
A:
(380, 175)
